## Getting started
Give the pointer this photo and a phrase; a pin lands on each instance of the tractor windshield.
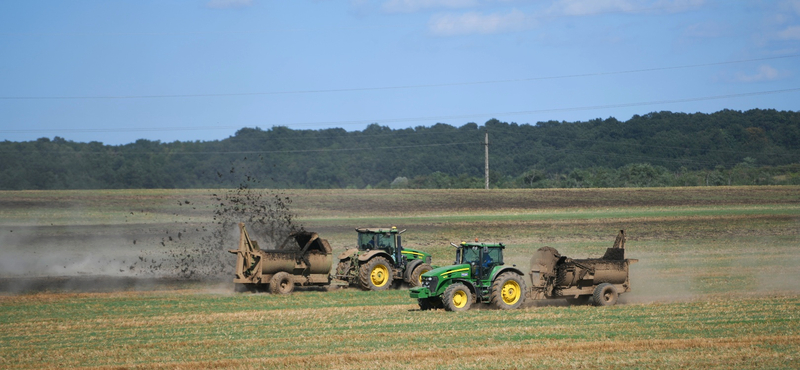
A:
(496, 256)
(366, 241)
(470, 255)
(375, 241)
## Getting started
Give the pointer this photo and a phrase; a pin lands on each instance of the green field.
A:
(717, 283)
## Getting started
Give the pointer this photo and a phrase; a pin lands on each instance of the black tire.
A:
(376, 274)
(605, 295)
(508, 291)
(431, 303)
(580, 301)
(343, 269)
(457, 297)
(416, 275)
(281, 283)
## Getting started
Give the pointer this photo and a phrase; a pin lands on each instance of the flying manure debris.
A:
(198, 251)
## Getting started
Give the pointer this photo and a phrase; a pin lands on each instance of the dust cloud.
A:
(190, 252)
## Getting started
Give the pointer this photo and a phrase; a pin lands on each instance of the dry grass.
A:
(716, 285)
(352, 329)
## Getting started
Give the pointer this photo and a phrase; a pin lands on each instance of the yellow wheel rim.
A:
(379, 275)
(511, 292)
(420, 276)
(460, 298)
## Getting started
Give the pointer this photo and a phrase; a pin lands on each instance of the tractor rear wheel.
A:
(416, 275)
(457, 297)
(508, 291)
(376, 274)
(343, 268)
(281, 283)
(605, 295)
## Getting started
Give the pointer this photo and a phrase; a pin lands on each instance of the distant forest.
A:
(656, 149)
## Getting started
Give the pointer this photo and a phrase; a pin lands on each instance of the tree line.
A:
(656, 149)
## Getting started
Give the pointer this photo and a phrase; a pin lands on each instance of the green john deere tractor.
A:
(379, 260)
(477, 276)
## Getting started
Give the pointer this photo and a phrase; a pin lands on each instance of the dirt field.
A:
(116, 279)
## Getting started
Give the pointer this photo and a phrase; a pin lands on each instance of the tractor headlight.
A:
(430, 283)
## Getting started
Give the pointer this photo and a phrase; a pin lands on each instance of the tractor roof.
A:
(480, 245)
(378, 230)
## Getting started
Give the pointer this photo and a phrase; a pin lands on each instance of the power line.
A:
(591, 107)
(428, 118)
(116, 152)
(646, 157)
(400, 87)
(476, 143)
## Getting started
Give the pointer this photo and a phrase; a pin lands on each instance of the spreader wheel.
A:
(605, 295)
(281, 283)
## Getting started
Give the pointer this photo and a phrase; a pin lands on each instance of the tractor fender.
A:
(468, 283)
(410, 268)
(507, 269)
(375, 252)
(348, 253)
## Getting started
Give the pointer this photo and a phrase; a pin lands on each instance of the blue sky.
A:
(118, 71)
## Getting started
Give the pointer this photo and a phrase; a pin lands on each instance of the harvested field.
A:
(353, 329)
(141, 278)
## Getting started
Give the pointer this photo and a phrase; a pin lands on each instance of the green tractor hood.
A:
(432, 281)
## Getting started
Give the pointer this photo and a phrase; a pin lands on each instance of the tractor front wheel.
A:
(416, 275)
(431, 303)
(281, 283)
(508, 291)
(457, 297)
(376, 274)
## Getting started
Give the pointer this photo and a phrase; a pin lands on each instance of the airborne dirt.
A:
(186, 247)
(266, 213)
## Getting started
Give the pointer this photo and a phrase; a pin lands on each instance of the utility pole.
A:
(486, 144)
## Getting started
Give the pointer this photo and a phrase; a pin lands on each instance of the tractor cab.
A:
(482, 257)
(379, 259)
(387, 240)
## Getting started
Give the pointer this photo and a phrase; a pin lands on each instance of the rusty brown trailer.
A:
(308, 263)
(594, 280)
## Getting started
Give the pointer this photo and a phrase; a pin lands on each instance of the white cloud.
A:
(584, 7)
(591, 7)
(477, 23)
(224, 4)
(790, 33)
(764, 73)
(411, 6)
